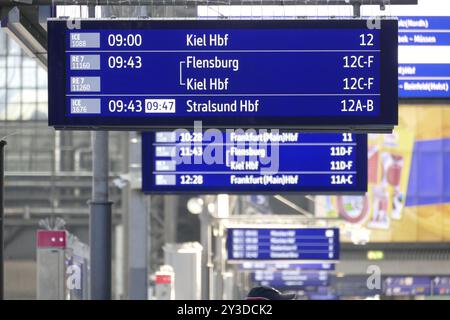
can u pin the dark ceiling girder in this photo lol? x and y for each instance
(24, 24)
(29, 17)
(4, 13)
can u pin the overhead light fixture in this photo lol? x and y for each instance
(375, 255)
(212, 207)
(195, 205)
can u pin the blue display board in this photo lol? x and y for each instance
(416, 286)
(337, 74)
(283, 244)
(424, 57)
(237, 161)
(441, 286)
(289, 278)
(264, 265)
(407, 286)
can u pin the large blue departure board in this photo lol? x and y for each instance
(339, 74)
(424, 57)
(282, 244)
(239, 161)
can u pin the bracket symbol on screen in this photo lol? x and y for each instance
(181, 73)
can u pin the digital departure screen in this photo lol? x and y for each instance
(282, 244)
(407, 286)
(290, 278)
(239, 161)
(339, 74)
(440, 285)
(273, 266)
(424, 57)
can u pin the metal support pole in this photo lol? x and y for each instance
(100, 215)
(219, 261)
(137, 247)
(170, 218)
(136, 205)
(2, 216)
(205, 239)
(125, 141)
(91, 11)
(137, 224)
(100, 220)
(356, 9)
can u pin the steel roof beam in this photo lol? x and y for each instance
(23, 25)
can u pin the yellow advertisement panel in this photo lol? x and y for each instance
(408, 197)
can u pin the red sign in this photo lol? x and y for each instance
(51, 239)
(163, 279)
